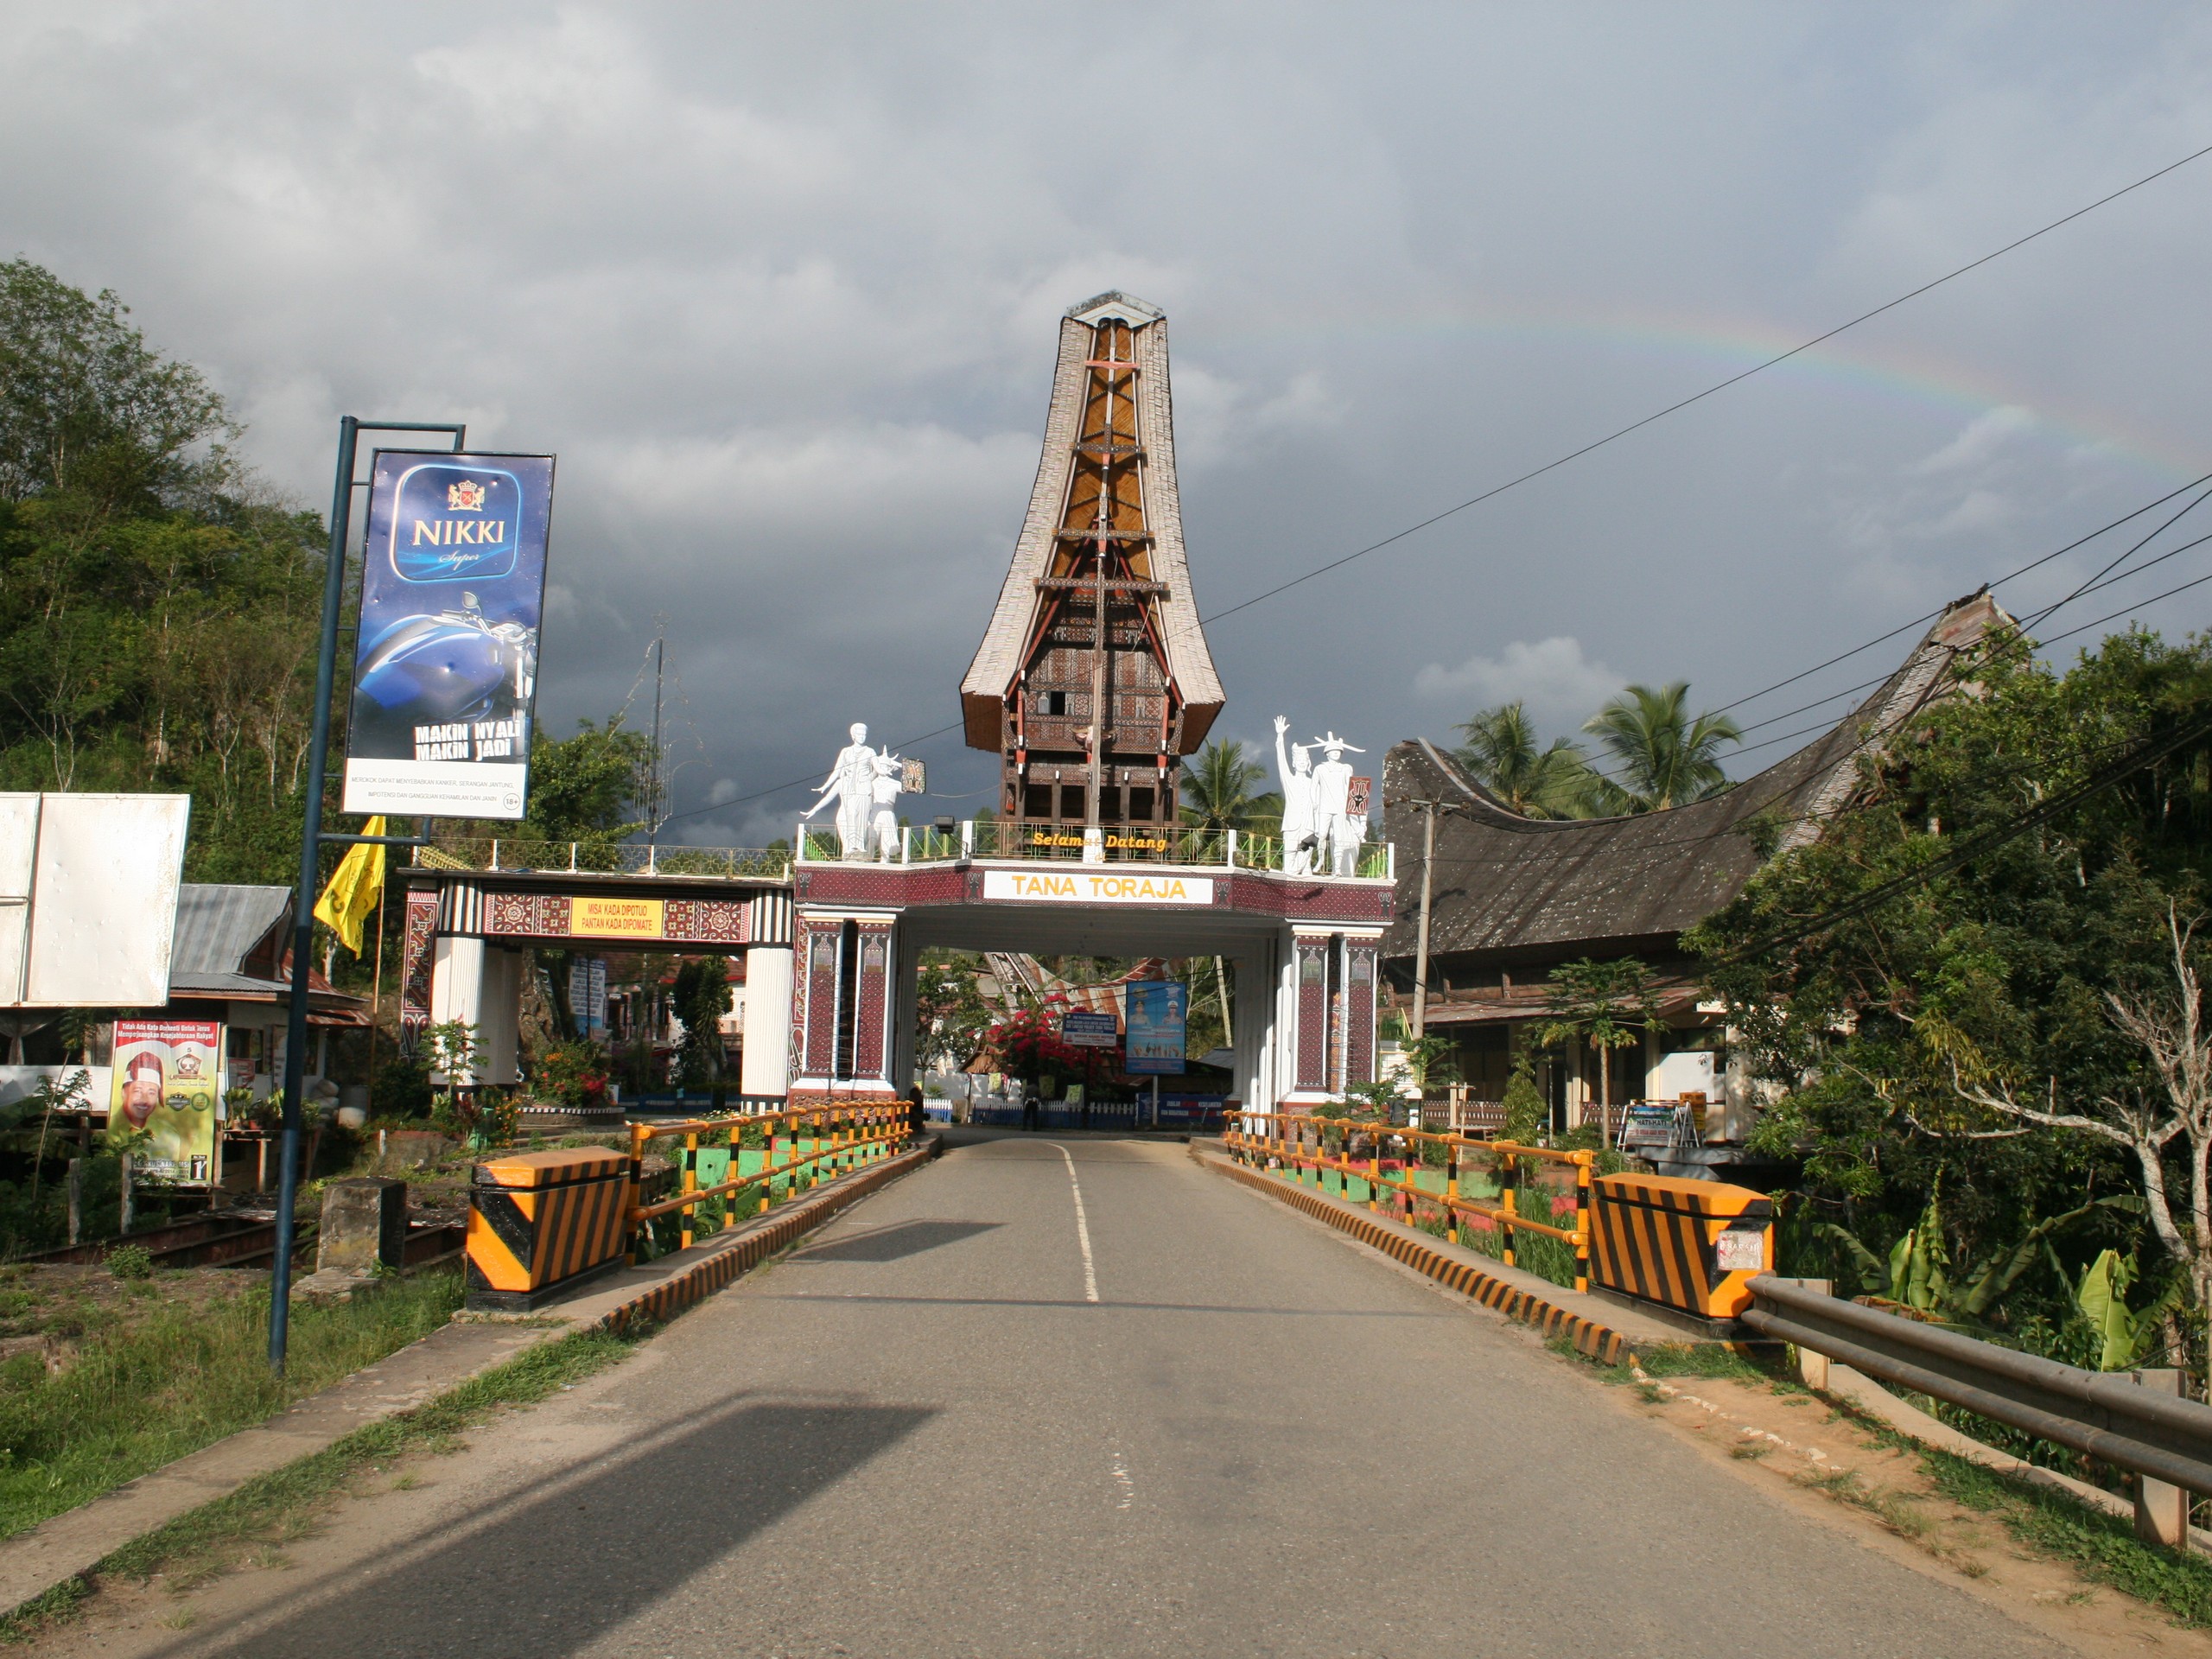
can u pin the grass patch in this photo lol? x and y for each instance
(251, 1524)
(149, 1393)
(1706, 1359)
(2101, 1546)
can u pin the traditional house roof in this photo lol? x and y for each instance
(1508, 889)
(990, 677)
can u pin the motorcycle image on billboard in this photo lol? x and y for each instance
(446, 667)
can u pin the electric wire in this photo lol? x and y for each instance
(1700, 397)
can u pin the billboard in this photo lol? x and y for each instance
(445, 665)
(88, 895)
(1082, 1029)
(166, 1080)
(1157, 1010)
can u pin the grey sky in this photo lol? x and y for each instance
(779, 285)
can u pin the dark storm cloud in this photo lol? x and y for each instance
(779, 286)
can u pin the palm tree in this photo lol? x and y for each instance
(1217, 785)
(1663, 757)
(1501, 754)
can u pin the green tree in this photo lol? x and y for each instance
(952, 1020)
(1502, 754)
(2000, 973)
(1661, 755)
(1219, 785)
(701, 997)
(1604, 1006)
(588, 788)
(87, 408)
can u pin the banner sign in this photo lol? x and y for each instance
(1097, 888)
(617, 918)
(1082, 1029)
(446, 662)
(1157, 1011)
(1357, 793)
(166, 1078)
(588, 995)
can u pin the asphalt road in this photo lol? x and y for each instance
(1197, 1424)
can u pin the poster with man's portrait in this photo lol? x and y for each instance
(167, 1081)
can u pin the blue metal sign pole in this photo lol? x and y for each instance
(295, 1038)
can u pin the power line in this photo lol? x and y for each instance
(1700, 397)
(2014, 575)
(1988, 841)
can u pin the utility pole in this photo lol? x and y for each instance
(652, 788)
(312, 838)
(1420, 941)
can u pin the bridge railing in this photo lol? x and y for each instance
(1355, 1151)
(1126, 843)
(796, 1150)
(522, 855)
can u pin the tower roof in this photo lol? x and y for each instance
(998, 661)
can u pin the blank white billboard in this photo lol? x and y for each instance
(88, 889)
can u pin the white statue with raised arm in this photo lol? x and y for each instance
(1341, 829)
(884, 789)
(851, 783)
(1300, 830)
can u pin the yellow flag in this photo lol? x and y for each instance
(355, 888)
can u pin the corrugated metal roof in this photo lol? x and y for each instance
(1510, 888)
(217, 926)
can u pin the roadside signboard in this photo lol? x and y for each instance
(1081, 1029)
(1158, 1010)
(88, 891)
(167, 1076)
(446, 665)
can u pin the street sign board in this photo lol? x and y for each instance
(88, 886)
(1082, 1029)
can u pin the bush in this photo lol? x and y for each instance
(128, 1262)
(1526, 1113)
(402, 1089)
(574, 1074)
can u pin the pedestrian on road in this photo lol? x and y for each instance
(917, 1116)
(1029, 1110)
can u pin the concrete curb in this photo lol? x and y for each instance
(1448, 1265)
(73, 1544)
(705, 1268)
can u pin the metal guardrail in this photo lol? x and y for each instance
(587, 858)
(820, 1143)
(1301, 1141)
(996, 839)
(2106, 1415)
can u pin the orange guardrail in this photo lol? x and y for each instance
(1300, 1141)
(821, 1143)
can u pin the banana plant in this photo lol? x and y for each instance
(2125, 1336)
(1918, 1273)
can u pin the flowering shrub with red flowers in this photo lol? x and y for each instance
(574, 1074)
(1028, 1043)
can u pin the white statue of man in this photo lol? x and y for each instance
(851, 783)
(884, 789)
(1301, 827)
(1341, 830)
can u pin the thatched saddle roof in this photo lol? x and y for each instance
(1509, 889)
(998, 660)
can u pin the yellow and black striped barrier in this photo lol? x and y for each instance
(1693, 1247)
(542, 1222)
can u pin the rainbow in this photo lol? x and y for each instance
(1725, 347)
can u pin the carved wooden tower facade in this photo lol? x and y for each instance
(1093, 680)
